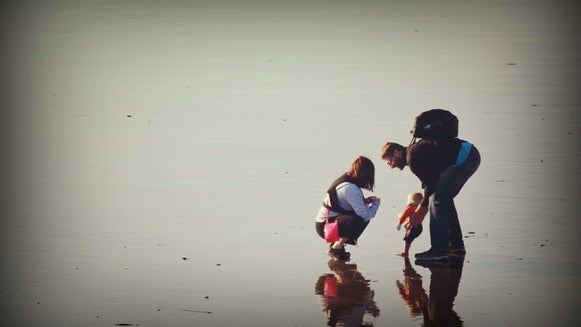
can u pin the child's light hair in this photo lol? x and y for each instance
(415, 197)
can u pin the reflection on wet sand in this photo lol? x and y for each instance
(411, 290)
(346, 295)
(437, 307)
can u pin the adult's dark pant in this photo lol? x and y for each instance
(350, 227)
(444, 224)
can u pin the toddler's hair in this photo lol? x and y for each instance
(415, 197)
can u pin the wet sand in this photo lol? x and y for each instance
(162, 165)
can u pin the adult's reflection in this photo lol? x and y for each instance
(437, 308)
(346, 295)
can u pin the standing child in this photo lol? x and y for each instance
(412, 232)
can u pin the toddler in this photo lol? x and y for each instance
(412, 232)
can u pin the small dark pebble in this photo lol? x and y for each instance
(206, 297)
(184, 258)
(123, 324)
(218, 264)
(129, 116)
(198, 311)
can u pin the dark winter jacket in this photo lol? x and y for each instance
(428, 159)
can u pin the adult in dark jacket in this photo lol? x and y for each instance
(443, 168)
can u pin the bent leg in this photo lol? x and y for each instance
(351, 227)
(444, 222)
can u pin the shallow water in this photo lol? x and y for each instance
(163, 164)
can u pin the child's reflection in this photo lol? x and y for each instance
(346, 295)
(411, 290)
(437, 307)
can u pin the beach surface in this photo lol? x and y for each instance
(162, 163)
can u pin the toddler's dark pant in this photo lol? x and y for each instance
(413, 233)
